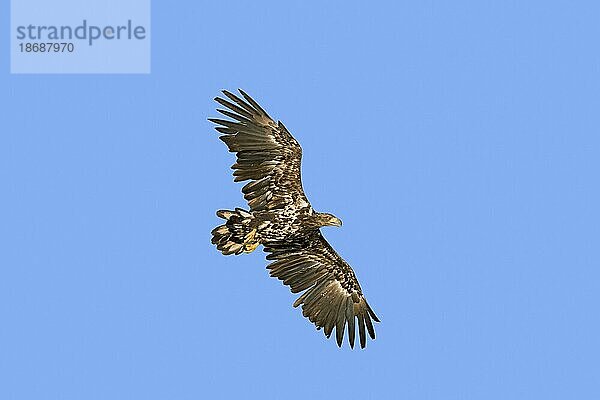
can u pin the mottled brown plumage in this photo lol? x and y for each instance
(283, 221)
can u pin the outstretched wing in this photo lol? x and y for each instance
(332, 297)
(267, 154)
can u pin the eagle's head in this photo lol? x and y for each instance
(326, 219)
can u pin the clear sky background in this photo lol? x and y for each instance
(458, 141)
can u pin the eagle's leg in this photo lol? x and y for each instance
(249, 248)
(249, 244)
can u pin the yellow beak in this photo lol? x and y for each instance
(336, 222)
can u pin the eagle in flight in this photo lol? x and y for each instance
(283, 221)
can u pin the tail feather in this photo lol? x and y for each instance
(236, 235)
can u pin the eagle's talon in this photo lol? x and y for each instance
(250, 247)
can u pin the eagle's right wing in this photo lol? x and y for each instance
(267, 154)
(333, 297)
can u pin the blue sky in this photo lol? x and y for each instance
(458, 142)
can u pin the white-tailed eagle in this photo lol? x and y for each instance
(283, 221)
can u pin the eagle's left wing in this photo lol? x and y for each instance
(333, 297)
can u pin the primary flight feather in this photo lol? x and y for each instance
(283, 221)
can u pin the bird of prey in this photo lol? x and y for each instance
(282, 220)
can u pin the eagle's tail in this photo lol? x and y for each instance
(236, 235)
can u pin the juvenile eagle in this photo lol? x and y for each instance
(283, 221)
